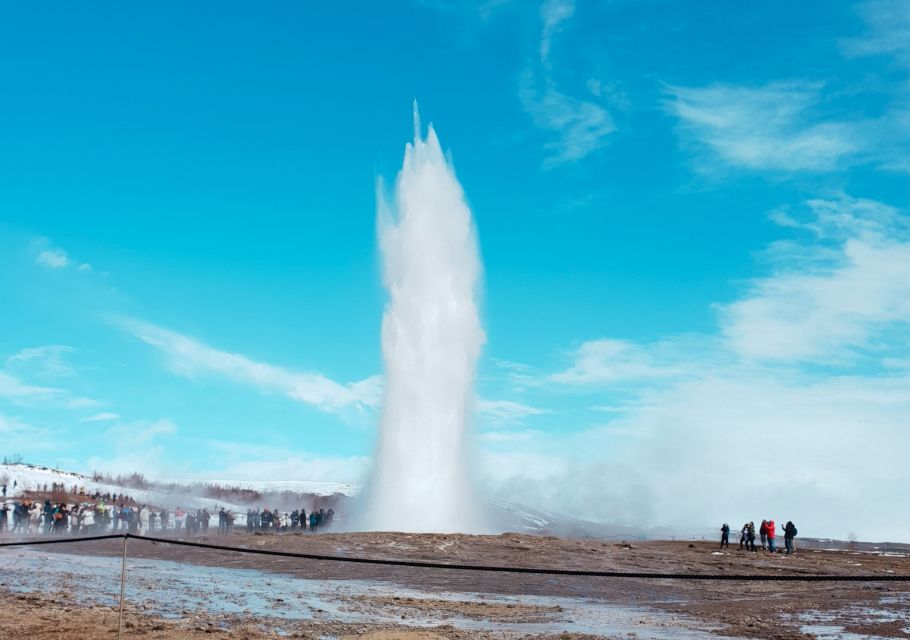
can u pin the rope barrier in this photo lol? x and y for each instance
(29, 543)
(418, 564)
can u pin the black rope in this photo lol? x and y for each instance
(28, 543)
(487, 568)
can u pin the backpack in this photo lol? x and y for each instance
(793, 530)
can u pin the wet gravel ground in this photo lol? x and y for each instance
(182, 586)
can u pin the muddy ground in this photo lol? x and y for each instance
(729, 608)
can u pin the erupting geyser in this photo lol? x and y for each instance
(431, 338)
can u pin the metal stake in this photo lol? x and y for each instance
(122, 582)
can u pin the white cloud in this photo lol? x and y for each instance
(12, 388)
(522, 435)
(247, 461)
(581, 126)
(47, 360)
(835, 301)
(53, 258)
(888, 34)
(135, 447)
(771, 127)
(26, 394)
(608, 360)
(553, 13)
(12, 424)
(189, 357)
(750, 408)
(104, 416)
(506, 410)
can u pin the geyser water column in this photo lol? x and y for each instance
(431, 338)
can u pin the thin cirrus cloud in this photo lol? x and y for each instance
(24, 394)
(507, 410)
(888, 23)
(190, 357)
(48, 360)
(772, 127)
(104, 416)
(578, 126)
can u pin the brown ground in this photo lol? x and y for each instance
(749, 609)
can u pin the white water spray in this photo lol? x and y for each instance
(431, 338)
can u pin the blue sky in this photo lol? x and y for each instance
(693, 220)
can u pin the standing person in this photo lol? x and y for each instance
(303, 519)
(789, 534)
(152, 516)
(763, 531)
(314, 521)
(750, 542)
(771, 535)
(744, 537)
(163, 516)
(3, 511)
(725, 536)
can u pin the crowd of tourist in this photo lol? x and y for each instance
(97, 516)
(767, 533)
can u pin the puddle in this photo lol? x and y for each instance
(173, 589)
(825, 625)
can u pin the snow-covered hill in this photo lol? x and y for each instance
(20, 478)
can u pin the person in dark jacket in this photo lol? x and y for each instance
(725, 536)
(789, 534)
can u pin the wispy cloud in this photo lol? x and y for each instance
(254, 461)
(828, 299)
(553, 13)
(772, 127)
(47, 360)
(189, 357)
(135, 447)
(19, 437)
(609, 360)
(888, 33)
(52, 257)
(509, 436)
(104, 416)
(13, 389)
(580, 125)
(507, 410)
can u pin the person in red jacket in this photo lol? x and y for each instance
(771, 536)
